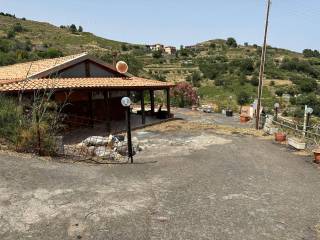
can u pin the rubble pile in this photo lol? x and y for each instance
(103, 149)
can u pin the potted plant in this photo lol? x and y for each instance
(317, 155)
(280, 136)
(244, 118)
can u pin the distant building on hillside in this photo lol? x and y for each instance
(170, 50)
(156, 47)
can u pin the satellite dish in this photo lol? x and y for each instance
(122, 67)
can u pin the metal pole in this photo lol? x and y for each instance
(305, 121)
(130, 152)
(262, 65)
(308, 123)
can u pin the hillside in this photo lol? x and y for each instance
(218, 68)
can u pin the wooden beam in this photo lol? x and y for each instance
(143, 114)
(168, 102)
(87, 66)
(90, 109)
(152, 101)
(107, 110)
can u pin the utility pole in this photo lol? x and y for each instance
(262, 66)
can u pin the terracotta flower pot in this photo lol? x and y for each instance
(280, 137)
(317, 156)
(244, 119)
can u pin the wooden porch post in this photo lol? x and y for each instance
(168, 102)
(106, 97)
(90, 109)
(143, 114)
(152, 101)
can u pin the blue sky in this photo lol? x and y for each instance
(294, 24)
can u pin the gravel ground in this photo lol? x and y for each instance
(184, 185)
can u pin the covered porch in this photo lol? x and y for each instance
(102, 107)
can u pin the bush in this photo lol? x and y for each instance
(308, 53)
(10, 119)
(312, 100)
(300, 66)
(307, 85)
(24, 129)
(18, 28)
(157, 54)
(50, 53)
(73, 28)
(184, 95)
(194, 78)
(254, 80)
(231, 42)
(243, 98)
(247, 66)
(11, 34)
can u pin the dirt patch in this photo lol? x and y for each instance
(317, 229)
(182, 125)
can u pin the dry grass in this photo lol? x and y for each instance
(277, 82)
(185, 126)
(317, 229)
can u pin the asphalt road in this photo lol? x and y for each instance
(184, 186)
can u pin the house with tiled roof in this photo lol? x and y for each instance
(94, 88)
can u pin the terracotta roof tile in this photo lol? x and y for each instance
(24, 70)
(83, 83)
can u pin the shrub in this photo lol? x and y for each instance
(308, 53)
(157, 54)
(300, 66)
(11, 34)
(307, 85)
(243, 98)
(231, 42)
(247, 66)
(254, 80)
(18, 28)
(30, 129)
(184, 95)
(10, 119)
(194, 78)
(73, 28)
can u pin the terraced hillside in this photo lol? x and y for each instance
(217, 68)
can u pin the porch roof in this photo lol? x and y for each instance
(84, 83)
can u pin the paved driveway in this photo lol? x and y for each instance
(185, 185)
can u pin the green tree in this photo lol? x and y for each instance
(157, 54)
(17, 27)
(308, 85)
(243, 98)
(247, 66)
(124, 47)
(255, 80)
(308, 53)
(195, 78)
(73, 28)
(80, 29)
(11, 34)
(231, 42)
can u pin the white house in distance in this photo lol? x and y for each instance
(160, 47)
(156, 47)
(170, 50)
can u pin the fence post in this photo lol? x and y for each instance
(305, 121)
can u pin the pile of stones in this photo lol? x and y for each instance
(112, 148)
